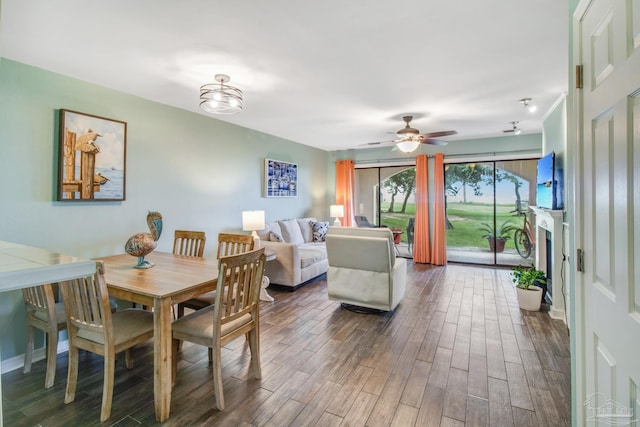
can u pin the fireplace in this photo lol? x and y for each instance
(549, 258)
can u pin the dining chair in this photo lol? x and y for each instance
(42, 312)
(189, 243)
(228, 244)
(93, 327)
(235, 313)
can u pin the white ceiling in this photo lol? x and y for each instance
(331, 74)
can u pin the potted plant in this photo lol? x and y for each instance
(498, 237)
(529, 286)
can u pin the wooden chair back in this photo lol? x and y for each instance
(238, 295)
(39, 299)
(86, 301)
(233, 244)
(189, 243)
(44, 313)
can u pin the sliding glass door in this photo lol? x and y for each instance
(385, 196)
(486, 204)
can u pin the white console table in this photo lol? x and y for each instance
(24, 266)
(551, 221)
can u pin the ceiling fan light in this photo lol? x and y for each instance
(408, 146)
(517, 131)
(527, 104)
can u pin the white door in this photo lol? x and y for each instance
(607, 216)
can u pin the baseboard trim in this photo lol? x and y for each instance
(17, 362)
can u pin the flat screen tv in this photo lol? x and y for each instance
(550, 185)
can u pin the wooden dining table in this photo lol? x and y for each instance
(172, 279)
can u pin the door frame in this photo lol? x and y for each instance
(576, 228)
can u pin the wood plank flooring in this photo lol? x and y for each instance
(457, 352)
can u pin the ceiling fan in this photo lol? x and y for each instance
(408, 138)
(515, 129)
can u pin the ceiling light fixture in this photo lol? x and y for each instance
(528, 105)
(408, 144)
(220, 98)
(515, 129)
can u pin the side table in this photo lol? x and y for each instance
(270, 254)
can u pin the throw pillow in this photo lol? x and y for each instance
(305, 228)
(275, 237)
(291, 231)
(319, 230)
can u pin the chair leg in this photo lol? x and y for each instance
(52, 355)
(180, 310)
(254, 346)
(72, 374)
(178, 314)
(217, 378)
(175, 346)
(28, 352)
(128, 358)
(107, 388)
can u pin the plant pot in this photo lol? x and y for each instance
(496, 245)
(397, 235)
(529, 299)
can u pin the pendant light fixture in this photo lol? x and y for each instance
(220, 98)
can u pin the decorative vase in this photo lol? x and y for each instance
(529, 299)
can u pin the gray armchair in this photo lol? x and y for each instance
(363, 268)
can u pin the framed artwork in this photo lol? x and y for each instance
(92, 158)
(281, 178)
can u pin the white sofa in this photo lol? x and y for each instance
(298, 257)
(363, 268)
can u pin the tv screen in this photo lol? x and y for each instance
(549, 183)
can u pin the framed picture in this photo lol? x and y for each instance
(92, 160)
(281, 178)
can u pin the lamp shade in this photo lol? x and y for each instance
(252, 220)
(336, 211)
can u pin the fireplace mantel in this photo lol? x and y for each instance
(551, 221)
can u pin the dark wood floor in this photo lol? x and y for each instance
(456, 352)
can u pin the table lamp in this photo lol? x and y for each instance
(253, 221)
(338, 212)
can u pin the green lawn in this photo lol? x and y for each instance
(465, 218)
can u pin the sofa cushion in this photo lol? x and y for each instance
(275, 237)
(265, 234)
(311, 253)
(305, 228)
(291, 231)
(319, 230)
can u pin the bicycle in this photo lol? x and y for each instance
(524, 239)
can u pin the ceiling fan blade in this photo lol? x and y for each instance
(432, 141)
(439, 134)
(509, 130)
(370, 144)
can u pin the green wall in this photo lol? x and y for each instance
(199, 172)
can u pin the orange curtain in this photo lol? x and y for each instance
(345, 173)
(439, 242)
(421, 252)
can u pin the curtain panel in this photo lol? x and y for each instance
(345, 176)
(439, 241)
(421, 250)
